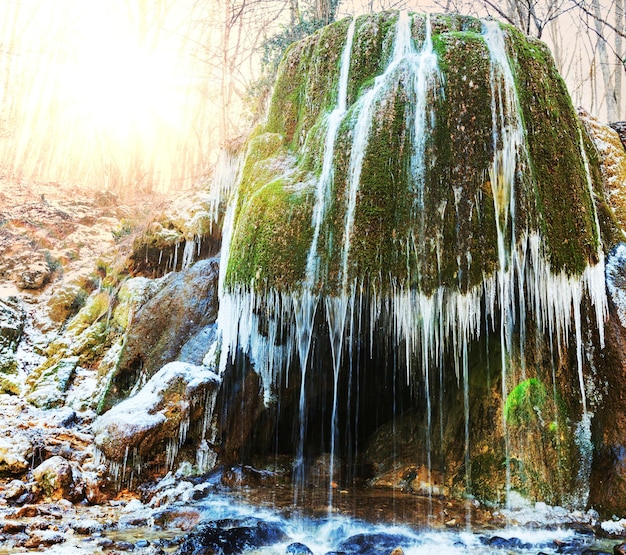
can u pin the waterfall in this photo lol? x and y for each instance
(509, 151)
(430, 331)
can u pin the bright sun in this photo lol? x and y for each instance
(101, 87)
(125, 83)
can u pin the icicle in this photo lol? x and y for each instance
(188, 254)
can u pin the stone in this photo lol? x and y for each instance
(49, 390)
(54, 477)
(620, 548)
(12, 526)
(15, 453)
(86, 526)
(166, 323)
(232, 537)
(374, 544)
(44, 538)
(298, 548)
(182, 518)
(95, 484)
(35, 275)
(14, 489)
(148, 421)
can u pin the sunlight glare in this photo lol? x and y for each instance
(102, 93)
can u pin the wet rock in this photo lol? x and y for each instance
(505, 543)
(619, 549)
(86, 526)
(182, 518)
(44, 538)
(245, 475)
(186, 305)
(55, 478)
(214, 537)
(298, 548)
(151, 418)
(374, 544)
(15, 453)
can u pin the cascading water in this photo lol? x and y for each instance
(435, 308)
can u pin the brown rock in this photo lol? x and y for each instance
(44, 538)
(12, 526)
(55, 478)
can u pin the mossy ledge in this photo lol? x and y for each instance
(450, 240)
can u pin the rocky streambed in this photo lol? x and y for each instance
(57, 497)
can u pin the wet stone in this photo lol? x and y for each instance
(374, 544)
(505, 543)
(44, 538)
(298, 548)
(214, 538)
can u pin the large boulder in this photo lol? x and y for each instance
(184, 307)
(153, 424)
(16, 451)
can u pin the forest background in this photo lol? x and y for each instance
(141, 95)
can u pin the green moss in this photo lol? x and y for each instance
(463, 150)
(373, 44)
(271, 241)
(523, 402)
(96, 307)
(297, 103)
(561, 191)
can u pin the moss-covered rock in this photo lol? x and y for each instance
(165, 316)
(448, 253)
(49, 389)
(449, 236)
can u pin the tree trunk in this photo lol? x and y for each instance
(605, 68)
(620, 23)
